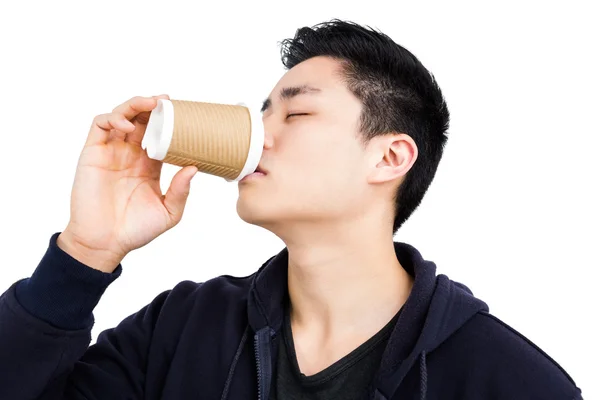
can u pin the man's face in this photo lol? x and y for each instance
(315, 163)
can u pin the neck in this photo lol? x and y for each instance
(344, 280)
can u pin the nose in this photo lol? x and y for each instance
(268, 140)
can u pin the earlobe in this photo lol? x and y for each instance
(396, 154)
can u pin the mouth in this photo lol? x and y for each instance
(260, 170)
(258, 173)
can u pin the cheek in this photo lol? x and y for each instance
(305, 152)
(325, 149)
(322, 164)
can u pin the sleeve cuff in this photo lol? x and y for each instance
(62, 291)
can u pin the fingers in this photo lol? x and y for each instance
(103, 124)
(113, 121)
(140, 121)
(178, 192)
(134, 106)
(119, 121)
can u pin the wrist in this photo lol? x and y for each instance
(103, 260)
(62, 291)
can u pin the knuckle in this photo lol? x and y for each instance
(111, 117)
(100, 118)
(128, 103)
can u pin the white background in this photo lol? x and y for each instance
(512, 213)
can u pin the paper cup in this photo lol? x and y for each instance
(220, 139)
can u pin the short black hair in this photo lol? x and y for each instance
(397, 92)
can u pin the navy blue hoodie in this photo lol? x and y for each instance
(217, 340)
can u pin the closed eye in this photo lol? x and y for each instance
(295, 115)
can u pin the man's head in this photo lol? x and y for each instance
(354, 129)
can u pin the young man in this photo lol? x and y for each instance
(354, 132)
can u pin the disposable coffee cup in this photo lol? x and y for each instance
(224, 140)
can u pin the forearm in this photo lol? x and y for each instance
(45, 323)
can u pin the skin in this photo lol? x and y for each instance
(328, 197)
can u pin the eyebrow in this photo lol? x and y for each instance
(287, 93)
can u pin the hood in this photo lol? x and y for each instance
(435, 309)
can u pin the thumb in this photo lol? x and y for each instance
(177, 194)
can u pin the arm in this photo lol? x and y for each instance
(45, 321)
(45, 326)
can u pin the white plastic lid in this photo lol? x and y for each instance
(257, 139)
(159, 131)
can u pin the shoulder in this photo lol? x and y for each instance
(221, 290)
(217, 305)
(501, 356)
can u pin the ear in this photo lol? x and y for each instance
(393, 156)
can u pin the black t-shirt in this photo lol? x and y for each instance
(346, 379)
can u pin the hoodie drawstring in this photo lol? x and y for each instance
(238, 353)
(422, 356)
(423, 371)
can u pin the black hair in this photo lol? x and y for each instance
(399, 95)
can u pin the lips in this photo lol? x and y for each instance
(258, 173)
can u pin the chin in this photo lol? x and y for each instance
(255, 213)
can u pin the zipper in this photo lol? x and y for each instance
(262, 355)
(258, 369)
